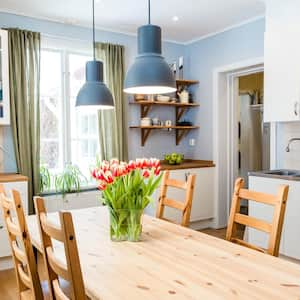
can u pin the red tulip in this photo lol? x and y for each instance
(93, 173)
(138, 162)
(108, 178)
(146, 173)
(115, 171)
(157, 171)
(131, 165)
(114, 161)
(105, 165)
(100, 175)
(102, 186)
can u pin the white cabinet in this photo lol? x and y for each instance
(4, 80)
(282, 61)
(290, 240)
(203, 200)
(22, 187)
(282, 76)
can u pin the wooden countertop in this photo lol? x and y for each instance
(12, 177)
(188, 164)
(171, 262)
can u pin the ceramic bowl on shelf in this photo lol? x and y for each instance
(162, 98)
(146, 121)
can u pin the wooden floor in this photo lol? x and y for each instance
(8, 284)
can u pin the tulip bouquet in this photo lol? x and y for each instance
(126, 190)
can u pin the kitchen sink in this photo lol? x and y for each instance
(283, 172)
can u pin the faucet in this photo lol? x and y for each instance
(287, 149)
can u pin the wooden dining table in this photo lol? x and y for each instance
(171, 262)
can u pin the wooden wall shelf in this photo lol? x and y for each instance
(181, 131)
(180, 109)
(186, 82)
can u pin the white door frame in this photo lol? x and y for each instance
(223, 130)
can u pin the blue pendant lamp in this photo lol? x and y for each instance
(150, 74)
(94, 93)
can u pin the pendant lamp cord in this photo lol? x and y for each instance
(94, 43)
(149, 12)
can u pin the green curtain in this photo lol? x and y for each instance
(24, 75)
(113, 123)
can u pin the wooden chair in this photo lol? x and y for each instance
(186, 206)
(274, 229)
(56, 269)
(22, 252)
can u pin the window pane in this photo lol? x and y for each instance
(51, 109)
(84, 126)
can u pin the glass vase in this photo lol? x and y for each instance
(125, 224)
(134, 225)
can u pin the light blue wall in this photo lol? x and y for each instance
(201, 58)
(157, 144)
(204, 56)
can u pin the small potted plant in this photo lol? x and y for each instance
(45, 179)
(126, 190)
(69, 180)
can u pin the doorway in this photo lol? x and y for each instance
(253, 135)
(226, 133)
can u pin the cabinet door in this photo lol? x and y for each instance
(4, 80)
(21, 187)
(282, 76)
(291, 240)
(203, 200)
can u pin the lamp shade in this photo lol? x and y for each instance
(149, 74)
(94, 93)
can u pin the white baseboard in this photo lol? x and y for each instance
(203, 224)
(6, 263)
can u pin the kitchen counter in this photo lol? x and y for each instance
(12, 177)
(188, 164)
(284, 174)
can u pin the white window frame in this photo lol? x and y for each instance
(66, 48)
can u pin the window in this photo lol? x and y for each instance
(68, 135)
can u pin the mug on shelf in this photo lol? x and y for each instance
(168, 123)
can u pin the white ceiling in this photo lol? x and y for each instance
(197, 18)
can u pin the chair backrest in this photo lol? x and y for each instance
(185, 206)
(69, 270)
(274, 229)
(19, 239)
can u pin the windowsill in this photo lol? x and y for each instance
(82, 190)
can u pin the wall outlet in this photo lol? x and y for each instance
(192, 142)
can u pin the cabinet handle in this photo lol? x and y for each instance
(187, 176)
(296, 108)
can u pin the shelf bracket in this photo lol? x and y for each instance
(145, 135)
(180, 133)
(144, 110)
(179, 113)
